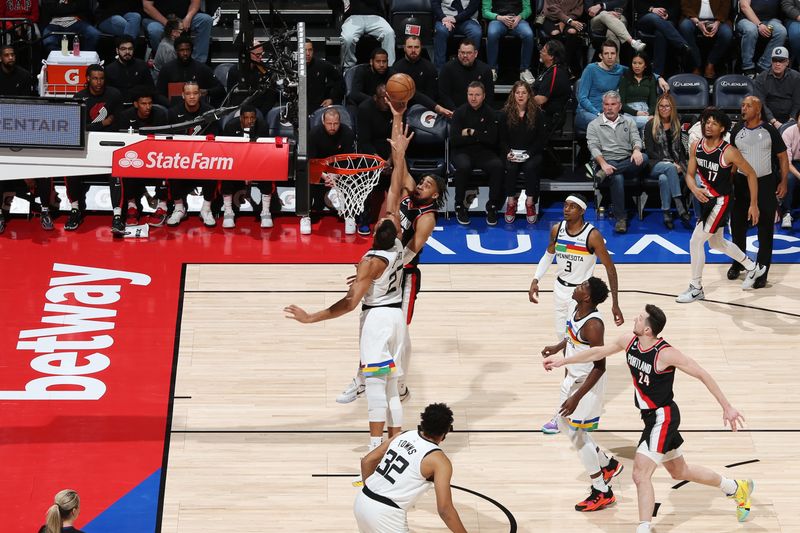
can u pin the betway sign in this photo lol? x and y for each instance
(203, 159)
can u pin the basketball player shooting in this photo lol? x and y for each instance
(652, 362)
(419, 203)
(383, 330)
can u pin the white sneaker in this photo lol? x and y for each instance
(334, 201)
(786, 221)
(527, 77)
(228, 219)
(690, 295)
(353, 391)
(266, 220)
(349, 226)
(404, 393)
(305, 226)
(177, 216)
(638, 45)
(208, 218)
(752, 275)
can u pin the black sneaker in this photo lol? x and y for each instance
(75, 219)
(491, 215)
(760, 282)
(47, 221)
(734, 271)
(405, 394)
(462, 216)
(118, 226)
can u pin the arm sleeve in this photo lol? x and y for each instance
(652, 98)
(790, 9)
(457, 124)
(583, 92)
(593, 140)
(650, 143)
(624, 85)
(544, 264)
(526, 10)
(486, 10)
(436, 7)
(778, 145)
(469, 11)
(554, 11)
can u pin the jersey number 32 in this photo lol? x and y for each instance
(392, 463)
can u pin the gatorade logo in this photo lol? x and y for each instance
(72, 76)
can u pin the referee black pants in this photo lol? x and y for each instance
(767, 205)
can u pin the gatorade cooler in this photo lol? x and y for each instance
(65, 75)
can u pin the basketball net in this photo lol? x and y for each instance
(352, 177)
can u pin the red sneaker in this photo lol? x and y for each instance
(530, 213)
(133, 217)
(157, 218)
(613, 469)
(511, 210)
(596, 501)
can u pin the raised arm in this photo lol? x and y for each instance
(598, 244)
(673, 357)
(369, 269)
(406, 182)
(586, 356)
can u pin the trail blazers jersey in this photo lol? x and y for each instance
(652, 389)
(409, 213)
(714, 171)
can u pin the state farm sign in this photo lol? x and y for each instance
(203, 159)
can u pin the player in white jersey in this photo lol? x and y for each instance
(401, 470)
(576, 246)
(378, 283)
(582, 392)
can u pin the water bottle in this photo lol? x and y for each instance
(76, 46)
(236, 23)
(64, 46)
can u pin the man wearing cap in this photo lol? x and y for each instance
(779, 89)
(576, 246)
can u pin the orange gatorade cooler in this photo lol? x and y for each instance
(65, 75)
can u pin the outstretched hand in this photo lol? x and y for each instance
(296, 313)
(398, 108)
(733, 418)
(400, 141)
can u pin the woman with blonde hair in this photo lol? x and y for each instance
(667, 156)
(523, 136)
(62, 514)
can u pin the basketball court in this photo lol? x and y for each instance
(219, 414)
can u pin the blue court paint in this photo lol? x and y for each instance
(135, 512)
(647, 241)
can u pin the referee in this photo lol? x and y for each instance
(760, 144)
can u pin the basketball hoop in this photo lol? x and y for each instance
(352, 177)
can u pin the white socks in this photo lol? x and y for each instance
(728, 486)
(644, 527)
(599, 484)
(374, 442)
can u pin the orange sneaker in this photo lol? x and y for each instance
(596, 501)
(613, 469)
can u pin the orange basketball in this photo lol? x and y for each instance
(400, 88)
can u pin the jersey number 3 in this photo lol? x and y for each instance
(392, 462)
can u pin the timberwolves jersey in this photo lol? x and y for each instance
(409, 213)
(574, 259)
(652, 389)
(576, 343)
(714, 173)
(386, 289)
(398, 476)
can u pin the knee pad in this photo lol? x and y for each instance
(377, 402)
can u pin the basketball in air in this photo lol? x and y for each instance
(400, 88)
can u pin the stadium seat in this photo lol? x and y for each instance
(277, 127)
(412, 17)
(344, 116)
(690, 92)
(729, 90)
(428, 151)
(221, 72)
(230, 116)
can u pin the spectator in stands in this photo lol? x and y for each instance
(552, 88)
(523, 136)
(14, 80)
(61, 516)
(374, 131)
(366, 80)
(707, 19)
(129, 191)
(365, 17)
(608, 17)
(791, 9)
(759, 19)
(668, 158)
(184, 68)
(638, 90)
(245, 125)
(68, 16)
(660, 18)
(423, 73)
(616, 147)
(23, 9)
(760, 145)
(324, 86)
(473, 139)
(166, 47)
(127, 71)
(119, 17)
(242, 85)
(509, 16)
(102, 105)
(324, 140)
(779, 89)
(454, 16)
(563, 19)
(791, 138)
(199, 23)
(190, 108)
(458, 73)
